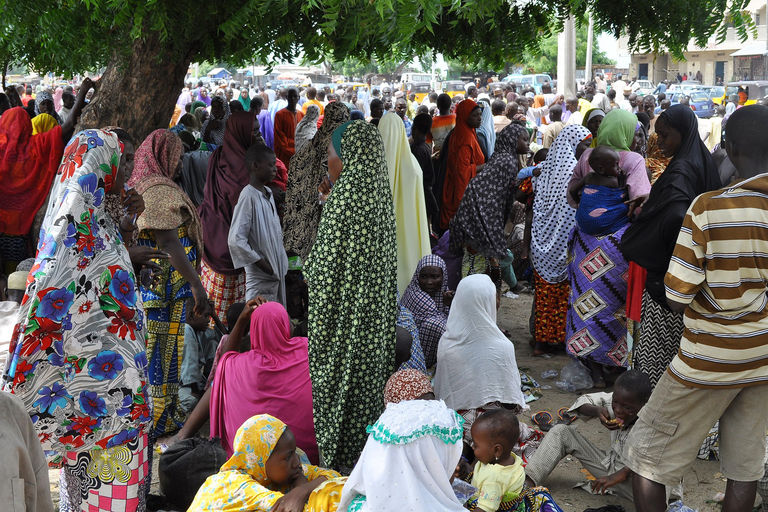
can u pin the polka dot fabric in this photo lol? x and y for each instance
(553, 217)
(352, 277)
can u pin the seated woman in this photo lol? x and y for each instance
(271, 378)
(476, 365)
(264, 474)
(407, 463)
(428, 299)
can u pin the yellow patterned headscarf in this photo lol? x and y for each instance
(42, 123)
(254, 442)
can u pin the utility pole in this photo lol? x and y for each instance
(590, 42)
(566, 59)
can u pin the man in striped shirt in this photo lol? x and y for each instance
(718, 277)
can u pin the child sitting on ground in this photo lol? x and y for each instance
(601, 195)
(499, 473)
(200, 344)
(617, 411)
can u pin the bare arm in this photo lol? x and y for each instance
(241, 326)
(68, 128)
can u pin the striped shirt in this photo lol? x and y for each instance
(720, 269)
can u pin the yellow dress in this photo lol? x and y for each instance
(242, 482)
(406, 182)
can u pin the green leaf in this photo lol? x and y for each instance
(107, 303)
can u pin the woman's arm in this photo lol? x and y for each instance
(68, 128)
(241, 326)
(168, 241)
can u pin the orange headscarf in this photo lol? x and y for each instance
(27, 166)
(463, 134)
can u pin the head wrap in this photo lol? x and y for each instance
(406, 385)
(617, 130)
(42, 123)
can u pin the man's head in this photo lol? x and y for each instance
(648, 105)
(746, 141)
(401, 107)
(512, 109)
(444, 104)
(311, 93)
(472, 91)
(661, 96)
(734, 98)
(377, 108)
(665, 104)
(433, 97)
(412, 96)
(572, 104)
(218, 111)
(633, 100)
(685, 100)
(45, 106)
(422, 124)
(555, 113)
(256, 104)
(260, 160)
(546, 88)
(497, 107)
(611, 95)
(292, 96)
(630, 393)
(604, 161)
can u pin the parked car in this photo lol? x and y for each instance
(643, 87)
(700, 101)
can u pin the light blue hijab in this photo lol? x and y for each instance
(486, 134)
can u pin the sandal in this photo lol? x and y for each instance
(543, 420)
(566, 418)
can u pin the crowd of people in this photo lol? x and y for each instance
(317, 274)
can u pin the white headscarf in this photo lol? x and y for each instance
(407, 184)
(307, 127)
(553, 217)
(408, 460)
(475, 362)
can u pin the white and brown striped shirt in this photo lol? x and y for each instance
(720, 269)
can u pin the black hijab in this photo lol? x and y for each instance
(650, 239)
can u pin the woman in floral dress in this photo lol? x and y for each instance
(78, 361)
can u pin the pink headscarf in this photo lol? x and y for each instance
(271, 378)
(57, 103)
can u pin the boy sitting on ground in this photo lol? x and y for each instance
(499, 474)
(617, 411)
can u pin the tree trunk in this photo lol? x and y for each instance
(138, 93)
(5, 72)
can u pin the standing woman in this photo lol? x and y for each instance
(27, 166)
(649, 241)
(352, 312)
(169, 223)
(227, 176)
(307, 169)
(487, 204)
(553, 220)
(464, 159)
(406, 184)
(78, 362)
(214, 127)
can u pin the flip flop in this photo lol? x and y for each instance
(543, 420)
(566, 418)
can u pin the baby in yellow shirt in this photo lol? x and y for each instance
(499, 474)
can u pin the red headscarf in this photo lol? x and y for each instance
(27, 166)
(458, 172)
(271, 378)
(156, 160)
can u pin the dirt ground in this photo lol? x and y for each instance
(702, 482)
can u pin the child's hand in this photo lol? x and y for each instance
(602, 484)
(605, 419)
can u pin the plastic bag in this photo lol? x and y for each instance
(574, 377)
(549, 374)
(679, 506)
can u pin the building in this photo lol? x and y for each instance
(718, 63)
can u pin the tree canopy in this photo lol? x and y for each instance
(75, 35)
(146, 46)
